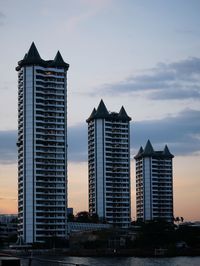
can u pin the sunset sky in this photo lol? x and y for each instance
(144, 55)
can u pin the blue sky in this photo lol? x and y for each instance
(144, 55)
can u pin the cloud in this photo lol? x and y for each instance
(90, 8)
(4, 88)
(2, 17)
(8, 198)
(77, 143)
(181, 133)
(74, 21)
(177, 80)
(189, 32)
(8, 149)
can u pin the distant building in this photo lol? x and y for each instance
(109, 165)
(42, 147)
(8, 226)
(70, 211)
(82, 227)
(7, 218)
(154, 184)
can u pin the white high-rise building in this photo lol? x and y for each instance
(42, 147)
(109, 165)
(154, 184)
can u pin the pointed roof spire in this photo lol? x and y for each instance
(33, 58)
(148, 150)
(123, 115)
(102, 111)
(33, 53)
(140, 152)
(58, 61)
(58, 58)
(25, 56)
(92, 115)
(167, 153)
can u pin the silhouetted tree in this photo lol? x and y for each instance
(155, 233)
(177, 219)
(94, 218)
(83, 217)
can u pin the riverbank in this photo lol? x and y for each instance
(111, 261)
(106, 252)
(134, 252)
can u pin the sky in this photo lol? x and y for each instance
(144, 55)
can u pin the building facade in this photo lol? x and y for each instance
(74, 227)
(42, 147)
(109, 165)
(154, 184)
(7, 218)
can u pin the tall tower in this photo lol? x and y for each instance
(154, 184)
(109, 165)
(42, 147)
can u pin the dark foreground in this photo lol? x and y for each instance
(116, 261)
(107, 257)
(104, 252)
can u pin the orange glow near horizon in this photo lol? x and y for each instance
(78, 186)
(186, 187)
(8, 189)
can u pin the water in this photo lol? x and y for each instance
(119, 261)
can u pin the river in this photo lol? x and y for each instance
(118, 261)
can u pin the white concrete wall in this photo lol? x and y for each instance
(147, 188)
(29, 154)
(99, 168)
